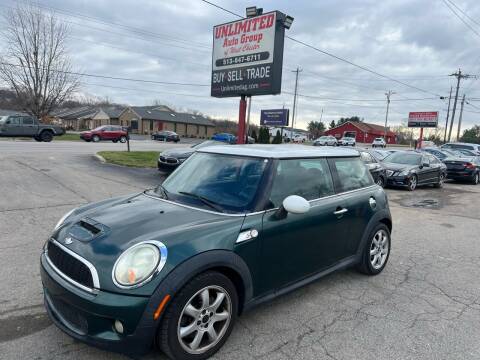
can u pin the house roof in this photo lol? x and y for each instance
(86, 112)
(366, 127)
(154, 113)
(5, 112)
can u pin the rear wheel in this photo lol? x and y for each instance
(380, 181)
(200, 319)
(476, 179)
(376, 251)
(95, 138)
(46, 136)
(412, 182)
(115, 141)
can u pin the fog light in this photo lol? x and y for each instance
(118, 326)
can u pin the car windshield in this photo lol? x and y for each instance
(452, 153)
(2, 119)
(379, 154)
(99, 128)
(207, 143)
(222, 183)
(378, 139)
(404, 158)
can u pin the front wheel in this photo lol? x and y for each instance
(376, 251)
(37, 138)
(46, 136)
(380, 181)
(200, 319)
(123, 139)
(412, 183)
(95, 138)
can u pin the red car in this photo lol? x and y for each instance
(106, 132)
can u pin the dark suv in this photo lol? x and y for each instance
(233, 227)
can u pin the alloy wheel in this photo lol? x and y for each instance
(380, 181)
(204, 319)
(379, 249)
(412, 183)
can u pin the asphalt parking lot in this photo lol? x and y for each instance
(425, 305)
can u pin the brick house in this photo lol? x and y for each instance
(149, 119)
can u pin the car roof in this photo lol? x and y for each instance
(284, 151)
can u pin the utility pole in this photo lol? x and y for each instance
(459, 76)
(448, 113)
(460, 117)
(295, 96)
(388, 94)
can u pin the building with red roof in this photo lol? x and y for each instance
(362, 132)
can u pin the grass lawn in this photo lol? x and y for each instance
(145, 159)
(68, 137)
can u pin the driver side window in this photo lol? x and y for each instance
(308, 178)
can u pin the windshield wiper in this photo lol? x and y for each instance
(203, 199)
(162, 190)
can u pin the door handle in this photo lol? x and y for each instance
(340, 211)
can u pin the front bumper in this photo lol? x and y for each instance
(167, 166)
(89, 318)
(398, 180)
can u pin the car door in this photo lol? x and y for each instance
(295, 246)
(428, 173)
(435, 167)
(29, 126)
(13, 126)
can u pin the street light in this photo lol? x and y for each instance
(253, 11)
(288, 22)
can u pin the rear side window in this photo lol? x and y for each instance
(352, 174)
(367, 158)
(309, 178)
(27, 120)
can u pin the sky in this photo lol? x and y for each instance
(418, 42)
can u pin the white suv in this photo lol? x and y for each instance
(379, 142)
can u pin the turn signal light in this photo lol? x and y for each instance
(469, 165)
(160, 307)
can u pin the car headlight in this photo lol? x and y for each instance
(404, 173)
(138, 264)
(62, 219)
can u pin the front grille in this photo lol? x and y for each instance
(168, 160)
(69, 316)
(70, 266)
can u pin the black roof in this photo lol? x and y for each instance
(154, 113)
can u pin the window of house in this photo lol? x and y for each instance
(309, 178)
(352, 174)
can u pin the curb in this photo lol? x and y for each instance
(100, 158)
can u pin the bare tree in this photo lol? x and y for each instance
(35, 63)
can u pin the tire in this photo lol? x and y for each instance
(376, 252)
(95, 138)
(380, 181)
(115, 141)
(412, 183)
(476, 179)
(176, 315)
(123, 139)
(441, 180)
(37, 138)
(46, 136)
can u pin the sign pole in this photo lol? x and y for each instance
(421, 138)
(242, 111)
(248, 119)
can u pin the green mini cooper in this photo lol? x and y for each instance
(232, 227)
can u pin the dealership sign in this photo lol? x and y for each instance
(248, 55)
(277, 117)
(427, 119)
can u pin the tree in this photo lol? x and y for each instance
(35, 63)
(332, 124)
(263, 136)
(278, 138)
(352, 119)
(254, 135)
(316, 128)
(471, 135)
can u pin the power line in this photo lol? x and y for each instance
(147, 91)
(312, 47)
(112, 77)
(115, 24)
(461, 19)
(464, 13)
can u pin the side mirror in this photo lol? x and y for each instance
(296, 204)
(7, 122)
(425, 164)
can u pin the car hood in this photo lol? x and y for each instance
(179, 152)
(126, 221)
(398, 167)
